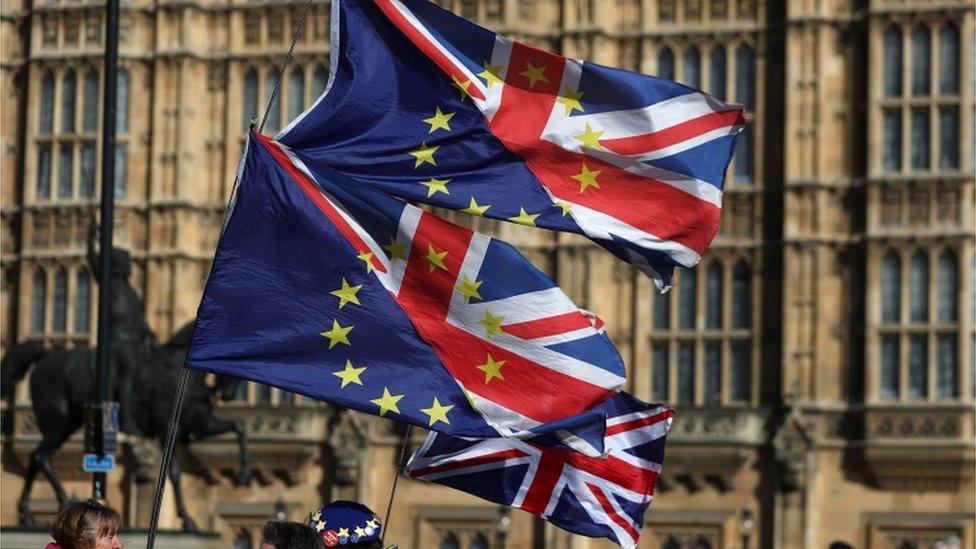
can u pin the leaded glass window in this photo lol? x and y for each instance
(662, 311)
(918, 350)
(60, 320)
(947, 303)
(250, 98)
(949, 137)
(691, 68)
(740, 371)
(745, 77)
(65, 171)
(68, 88)
(273, 122)
(45, 124)
(947, 359)
(43, 189)
(665, 64)
(659, 372)
(296, 93)
(741, 296)
(919, 288)
(713, 373)
(687, 300)
(320, 79)
(121, 165)
(891, 140)
(920, 138)
(713, 296)
(717, 68)
(82, 301)
(949, 59)
(686, 373)
(86, 188)
(890, 367)
(89, 114)
(890, 288)
(921, 61)
(122, 100)
(38, 301)
(893, 62)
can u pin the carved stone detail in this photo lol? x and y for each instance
(793, 444)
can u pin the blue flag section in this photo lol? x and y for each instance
(430, 107)
(328, 289)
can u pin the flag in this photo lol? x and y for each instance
(593, 496)
(433, 108)
(332, 290)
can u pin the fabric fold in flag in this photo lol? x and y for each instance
(593, 496)
(335, 291)
(430, 107)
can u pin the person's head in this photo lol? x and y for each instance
(87, 525)
(287, 535)
(347, 524)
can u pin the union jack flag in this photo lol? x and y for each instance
(593, 496)
(433, 108)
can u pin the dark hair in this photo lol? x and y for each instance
(288, 535)
(80, 525)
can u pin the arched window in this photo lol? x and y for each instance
(662, 311)
(250, 97)
(740, 372)
(87, 184)
(892, 62)
(890, 367)
(947, 303)
(60, 302)
(90, 106)
(38, 301)
(918, 363)
(949, 59)
(43, 189)
(65, 171)
(479, 542)
(82, 301)
(68, 87)
(946, 383)
(320, 79)
(741, 296)
(921, 61)
(691, 68)
(920, 138)
(296, 93)
(665, 64)
(717, 68)
(449, 541)
(273, 122)
(711, 386)
(713, 296)
(745, 77)
(890, 288)
(891, 145)
(687, 300)
(122, 101)
(45, 124)
(919, 288)
(659, 372)
(243, 538)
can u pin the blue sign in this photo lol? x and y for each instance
(94, 463)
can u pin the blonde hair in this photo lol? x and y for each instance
(80, 525)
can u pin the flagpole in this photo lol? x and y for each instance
(397, 469)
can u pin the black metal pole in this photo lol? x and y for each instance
(104, 353)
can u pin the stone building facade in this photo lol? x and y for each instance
(821, 358)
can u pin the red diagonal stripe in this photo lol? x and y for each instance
(615, 470)
(684, 131)
(638, 423)
(543, 327)
(612, 513)
(470, 462)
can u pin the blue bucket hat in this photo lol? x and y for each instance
(345, 522)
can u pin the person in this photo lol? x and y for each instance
(347, 524)
(86, 525)
(287, 535)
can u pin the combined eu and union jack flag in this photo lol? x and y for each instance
(597, 497)
(326, 288)
(432, 108)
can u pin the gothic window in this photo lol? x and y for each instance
(60, 319)
(276, 26)
(686, 373)
(86, 187)
(740, 372)
(686, 300)
(273, 122)
(892, 62)
(745, 77)
(252, 28)
(479, 542)
(918, 282)
(713, 373)
(741, 296)
(717, 68)
(713, 296)
(949, 137)
(68, 102)
(320, 79)
(920, 138)
(262, 394)
(921, 61)
(122, 101)
(691, 68)
(46, 123)
(947, 272)
(250, 97)
(89, 113)
(243, 538)
(665, 64)
(890, 367)
(949, 60)
(659, 372)
(890, 288)
(918, 351)
(945, 375)
(121, 164)
(82, 302)
(662, 311)
(38, 301)
(43, 189)
(742, 165)
(892, 140)
(296, 93)
(449, 541)
(65, 169)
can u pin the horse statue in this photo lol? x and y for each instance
(144, 378)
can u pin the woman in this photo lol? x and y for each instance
(86, 525)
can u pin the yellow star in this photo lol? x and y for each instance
(343, 532)
(492, 369)
(424, 154)
(319, 526)
(491, 74)
(570, 100)
(359, 531)
(387, 402)
(337, 334)
(524, 218)
(469, 288)
(437, 412)
(476, 209)
(373, 523)
(435, 185)
(492, 324)
(587, 178)
(566, 208)
(349, 375)
(367, 258)
(462, 87)
(589, 139)
(439, 121)
(435, 258)
(347, 294)
(396, 250)
(534, 74)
